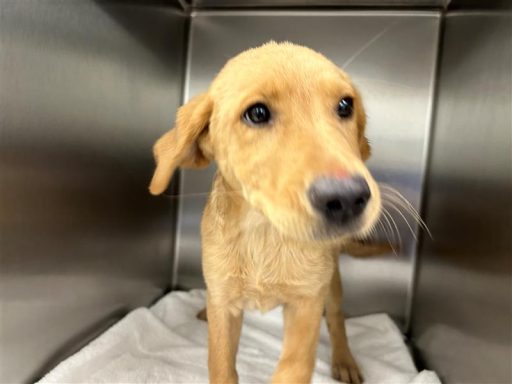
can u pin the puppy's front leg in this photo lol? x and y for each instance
(224, 326)
(344, 367)
(301, 327)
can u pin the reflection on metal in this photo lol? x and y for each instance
(391, 58)
(86, 89)
(318, 3)
(347, 4)
(463, 308)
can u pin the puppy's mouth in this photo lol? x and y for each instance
(329, 231)
(331, 209)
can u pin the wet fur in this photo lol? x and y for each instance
(262, 243)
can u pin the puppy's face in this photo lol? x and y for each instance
(286, 128)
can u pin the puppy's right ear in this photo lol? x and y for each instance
(185, 145)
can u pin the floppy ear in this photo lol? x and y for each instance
(186, 145)
(364, 145)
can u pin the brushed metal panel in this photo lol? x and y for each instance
(86, 88)
(409, 4)
(391, 56)
(463, 311)
(317, 3)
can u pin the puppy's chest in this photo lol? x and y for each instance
(271, 271)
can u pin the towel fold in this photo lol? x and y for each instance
(167, 344)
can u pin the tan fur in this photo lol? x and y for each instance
(263, 244)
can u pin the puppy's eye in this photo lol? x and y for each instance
(257, 114)
(345, 107)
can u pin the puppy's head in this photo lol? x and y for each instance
(286, 127)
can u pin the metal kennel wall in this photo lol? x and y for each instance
(87, 86)
(391, 57)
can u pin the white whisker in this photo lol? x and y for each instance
(202, 194)
(403, 217)
(385, 216)
(387, 237)
(393, 195)
(399, 237)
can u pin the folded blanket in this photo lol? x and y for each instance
(167, 344)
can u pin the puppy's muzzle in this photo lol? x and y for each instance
(340, 200)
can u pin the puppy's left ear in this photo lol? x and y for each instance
(364, 145)
(186, 145)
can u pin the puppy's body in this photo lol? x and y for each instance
(261, 267)
(286, 128)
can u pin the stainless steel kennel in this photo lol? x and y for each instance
(87, 86)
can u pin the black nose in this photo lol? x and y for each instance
(339, 200)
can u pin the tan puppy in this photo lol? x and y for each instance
(286, 128)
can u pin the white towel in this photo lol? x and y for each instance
(167, 344)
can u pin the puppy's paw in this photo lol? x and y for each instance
(346, 371)
(201, 315)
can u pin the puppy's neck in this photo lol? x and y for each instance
(230, 202)
(222, 190)
(234, 213)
